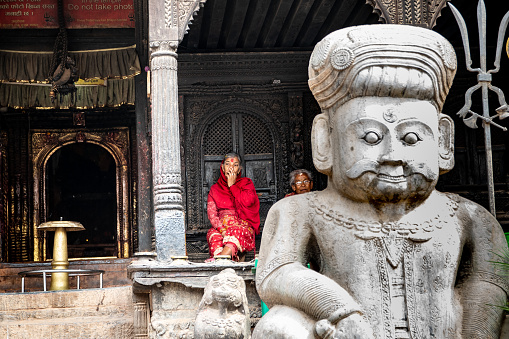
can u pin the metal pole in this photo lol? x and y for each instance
(44, 280)
(481, 24)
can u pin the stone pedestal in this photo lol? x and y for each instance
(176, 291)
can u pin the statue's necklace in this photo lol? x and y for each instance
(419, 232)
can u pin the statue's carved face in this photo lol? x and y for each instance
(225, 288)
(385, 149)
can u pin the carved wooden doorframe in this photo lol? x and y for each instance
(44, 143)
(266, 112)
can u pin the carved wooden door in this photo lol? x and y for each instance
(247, 135)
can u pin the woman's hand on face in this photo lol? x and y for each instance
(232, 177)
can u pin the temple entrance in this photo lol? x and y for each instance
(81, 186)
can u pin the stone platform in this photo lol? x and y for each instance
(91, 313)
(174, 293)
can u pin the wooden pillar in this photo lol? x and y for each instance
(144, 160)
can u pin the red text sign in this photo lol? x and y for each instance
(77, 13)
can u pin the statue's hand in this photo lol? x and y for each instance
(351, 327)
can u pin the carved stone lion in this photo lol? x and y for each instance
(223, 311)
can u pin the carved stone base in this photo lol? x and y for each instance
(176, 292)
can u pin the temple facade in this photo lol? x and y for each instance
(130, 143)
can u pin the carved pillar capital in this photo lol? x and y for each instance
(173, 22)
(409, 12)
(163, 48)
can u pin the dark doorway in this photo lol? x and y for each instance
(81, 186)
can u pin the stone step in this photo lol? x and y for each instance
(52, 313)
(69, 328)
(91, 313)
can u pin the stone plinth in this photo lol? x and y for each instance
(176, 292)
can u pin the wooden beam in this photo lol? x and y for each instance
(276, 19)
(362, 15)
(192, 38)
(218, 8)
(314, 22)
(234, 24)
(254, 21)
(338, 16)
(294, 23)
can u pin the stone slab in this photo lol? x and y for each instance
(91, 313)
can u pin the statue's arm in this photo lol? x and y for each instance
(482, 284)
(282, 277)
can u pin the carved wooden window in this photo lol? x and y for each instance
(249, 136)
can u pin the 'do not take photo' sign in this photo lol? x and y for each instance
(78, 14)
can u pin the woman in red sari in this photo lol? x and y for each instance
(233, 211)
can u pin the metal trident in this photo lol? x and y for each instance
(484, 82)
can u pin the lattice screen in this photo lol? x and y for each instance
(218, 138)
(257, 138)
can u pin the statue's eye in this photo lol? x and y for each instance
(411, 138)
(372, 138)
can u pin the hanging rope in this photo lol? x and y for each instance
(63, 71)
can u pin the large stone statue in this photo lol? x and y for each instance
(395, 257)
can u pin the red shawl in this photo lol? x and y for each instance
(241, 196)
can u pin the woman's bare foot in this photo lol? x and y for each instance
(226, 251)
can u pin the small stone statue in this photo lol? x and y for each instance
(394, 257)
(223, 310)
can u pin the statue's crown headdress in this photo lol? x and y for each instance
(381, 60)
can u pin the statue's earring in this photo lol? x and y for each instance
(445, 143)
(321, 145)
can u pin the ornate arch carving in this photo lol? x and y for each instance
(45, 143)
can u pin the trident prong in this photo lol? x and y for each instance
(484, 82)
(483, 76)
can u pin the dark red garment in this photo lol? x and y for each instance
(241, 197)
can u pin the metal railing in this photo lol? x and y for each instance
(72, 273)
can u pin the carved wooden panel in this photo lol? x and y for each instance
(3, 195)
(18, 232)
